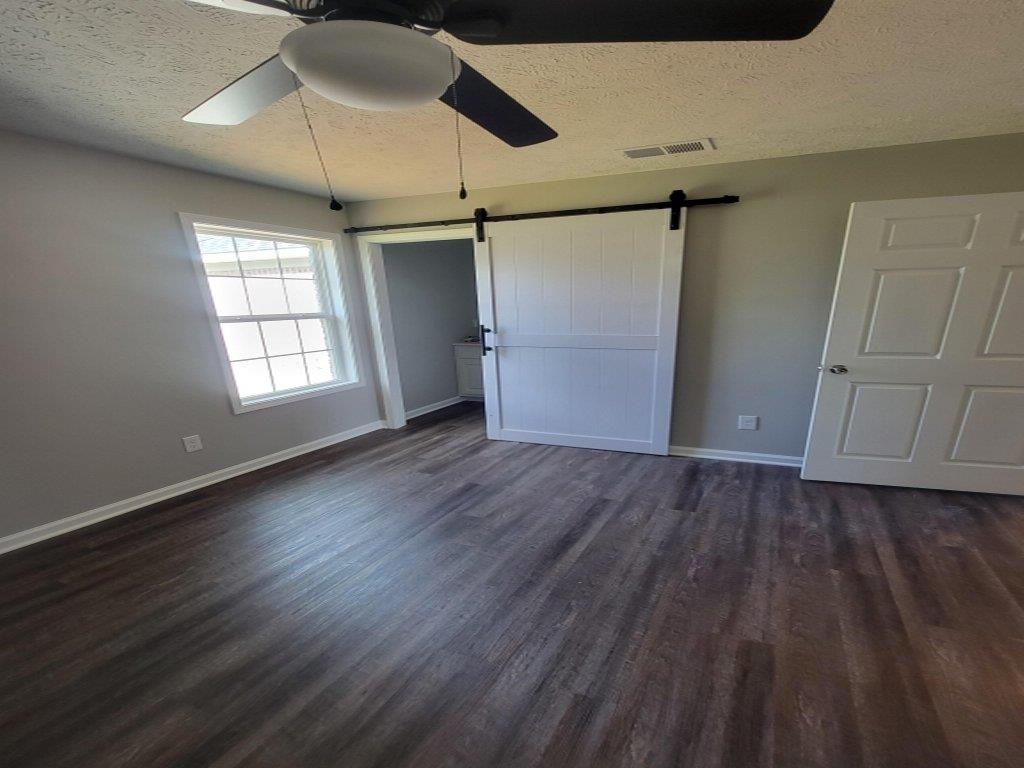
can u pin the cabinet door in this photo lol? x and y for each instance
(471, 376)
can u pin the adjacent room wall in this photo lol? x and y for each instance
(432, 292)
(759, 275)
(108, 358)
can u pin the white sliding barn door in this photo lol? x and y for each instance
(923, 369)
(584, 311)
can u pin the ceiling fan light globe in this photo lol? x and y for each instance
(369, 64)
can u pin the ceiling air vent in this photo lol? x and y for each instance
(673, 148)
(639, 152)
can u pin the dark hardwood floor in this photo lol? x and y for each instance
(427, 598)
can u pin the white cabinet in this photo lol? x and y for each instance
(469, 370)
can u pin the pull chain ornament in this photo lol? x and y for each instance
(334, 204)
(458, 129)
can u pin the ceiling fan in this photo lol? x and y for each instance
(380, 54)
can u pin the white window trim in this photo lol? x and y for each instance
(340, 279)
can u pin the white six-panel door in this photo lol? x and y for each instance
(928, 323)
(584, 312)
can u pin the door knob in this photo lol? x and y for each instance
(840, 369)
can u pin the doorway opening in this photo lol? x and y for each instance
(422, 301)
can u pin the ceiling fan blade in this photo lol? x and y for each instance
(253, 92)
(262, 7)
(506, 22)
(495, 111)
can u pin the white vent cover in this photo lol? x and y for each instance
(672, 148)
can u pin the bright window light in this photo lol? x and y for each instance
(279, 307)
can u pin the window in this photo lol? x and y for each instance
(278, 304)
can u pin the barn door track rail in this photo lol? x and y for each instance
(677, 200)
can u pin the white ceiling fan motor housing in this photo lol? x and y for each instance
(369, 64)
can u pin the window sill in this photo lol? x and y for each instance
(256, 404)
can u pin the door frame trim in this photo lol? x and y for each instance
(378, 308)
(828, 333)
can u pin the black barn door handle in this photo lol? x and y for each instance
(484, 349)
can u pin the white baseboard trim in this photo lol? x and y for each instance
(424, 410)
(743, 456)
(83, 519)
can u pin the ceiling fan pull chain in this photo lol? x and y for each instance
(458, 128)
(334, 205)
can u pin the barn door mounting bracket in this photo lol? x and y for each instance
(676, 199)
(479, 218)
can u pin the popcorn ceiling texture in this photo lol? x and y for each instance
(118, 74)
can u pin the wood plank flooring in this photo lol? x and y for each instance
(427, 598)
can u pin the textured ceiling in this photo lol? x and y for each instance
(118, 74)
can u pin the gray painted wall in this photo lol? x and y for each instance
(432, 291)
(759, 275)
(107, 357)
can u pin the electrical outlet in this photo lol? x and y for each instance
(192, 443)
(748, 422)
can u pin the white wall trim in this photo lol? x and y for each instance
(746, 457)
(428, 234)
(83, 519)
(425, 409)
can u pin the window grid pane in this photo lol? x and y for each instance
(314, 335)
(229, 296)
(266, 296)
(296, 261)
(243, 341)
(303, 297)
(276, 310)
(258, 257)
(252, 377)
(320, 367)
(289, 372)
(219, 255)
(281, 336)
